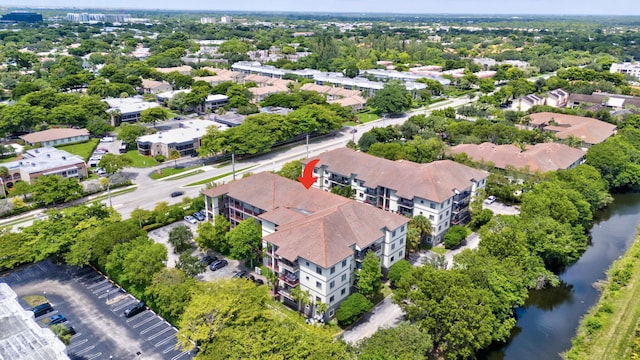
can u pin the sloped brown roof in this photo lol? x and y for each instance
(590, 131)
(540, 157)
(312, 224)
(349, 101)
(53, 134)
(436, 181)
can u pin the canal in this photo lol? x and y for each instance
(548, 320)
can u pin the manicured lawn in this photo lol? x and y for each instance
(187, 174)
(364, 118)
(168, 171)
(83, 150)
(439, 250)
(140, 161)
(34, 300)
(113, 193)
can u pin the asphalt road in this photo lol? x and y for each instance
(150, 192)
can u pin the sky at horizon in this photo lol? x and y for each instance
(538, 7)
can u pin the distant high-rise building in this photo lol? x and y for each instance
(207, 20)
(226, 19)
(28, 17)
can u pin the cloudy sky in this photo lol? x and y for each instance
(559, 7)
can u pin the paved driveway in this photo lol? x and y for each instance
(385, 314)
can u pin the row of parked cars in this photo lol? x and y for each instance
(196, 216)
(46, 308)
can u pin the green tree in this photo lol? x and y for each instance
(62, 332)
(245, 240)
(369, 276)
(133, 264)
(454, 236)
(170, 292)
(398, 270)
(112, 163)
(291, 170)
(99, 127)
(129, 133)
(180, 238)
(174, 155)
(54, 189)
(214, 236)
(393, 98)
(422, 225)
(351, 308)
(191, 265)
(404, 341)
(152, 115)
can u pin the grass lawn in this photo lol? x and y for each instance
(83, 150)
(35, 300)
(185, 175)
(612, 326)
(364, 118)
(140, 161)
(168, 171)
(296, 317)
(206, 181)
(439, 250)
(113, 193)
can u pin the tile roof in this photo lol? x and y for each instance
(349, 101)
(540, 157)
(590, 131)
(312, 224)
(53, 134)
(436, 181)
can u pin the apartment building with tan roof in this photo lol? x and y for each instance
(590, 131)
(541, 157)
(311, 238)
(440, 191)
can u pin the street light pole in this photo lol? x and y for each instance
(307, 145)
(233, 164)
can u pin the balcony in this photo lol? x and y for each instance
(285, 293)
(462, 197)
(359, 255)
(372, 192)
(286, 265)
(290, 279)
(339, 179)
(405, 203)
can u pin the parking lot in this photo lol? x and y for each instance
(161, 236)
(94, 306)
(501, 209)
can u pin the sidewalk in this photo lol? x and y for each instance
(422, 256)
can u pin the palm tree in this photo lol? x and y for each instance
(174, 155)
(300, 296)
(422, 225)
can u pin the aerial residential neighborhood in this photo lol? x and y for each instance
(319, 181)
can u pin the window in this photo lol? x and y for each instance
(333, 269)
(393, 233)
(361, 195)
(432, 205)
(318, 299)
(401, 241)
(431, 217)
(318, 285)
(402, 229)
(439, 227)
(331, 299)
(307, 278)
(393, 246)
(400, 254)
(332, 285)
(344, 263)
(306, 262)
(343, 291)
(344, 277)
(447, 212)
(319, 270)
(393, 258)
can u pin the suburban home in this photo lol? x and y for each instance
(127, 109)
(630, 68)
(210, 103)
(330, 93)
(153, 87)
(43, 161)
(185, 139)
(440, 191)
(260, 93)
(57, 136)
(590, 131)
(557, 98)
(541, 157)
(525, 103)
(184, 70)
(312, 239)
(597, 101)
(355, 103)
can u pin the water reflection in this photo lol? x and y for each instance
(550, 297)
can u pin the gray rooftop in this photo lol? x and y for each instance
(21, 337)
(190, 130)
(43, 159)
(129, 105)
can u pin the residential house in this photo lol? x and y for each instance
(184, 69)
(260, 93)
(153, 87)
(43, 161)
(212, 102)
(557, 98)
(330, 93)
(597, 101)
(525, 103)
(57, 136)
(590, 131)
(630, 68)
(127, 109)
(440, 191)
(355, 103)
(312, 239)
(531, 159)
(185, 139)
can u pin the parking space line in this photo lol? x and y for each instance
(146, 330)
(77, 344)
(157, 334)
(165, 340)
(179, 355)
(170, 348)
(93, 356)
(85, 349)
(97, 284)
(119, 308)
(108, 286)
(137, 325)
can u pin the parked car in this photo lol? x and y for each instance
(177, 193)
(218, 264)
(136, 309)
(490, 200)
(190, 219)
(42, 309)
(57, 319)
(240, 274)
(107, 139)
(208, 259)
(198, 216)
(258, 282)
(69, 330)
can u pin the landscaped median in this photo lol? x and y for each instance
(218, 177)
(611, 329)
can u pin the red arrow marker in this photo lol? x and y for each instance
(307, 179)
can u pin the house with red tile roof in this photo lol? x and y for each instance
(541, 157)
(440, 191)
(56, 136)
(590, 131)
(311, 238)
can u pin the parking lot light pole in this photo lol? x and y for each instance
(107, 296)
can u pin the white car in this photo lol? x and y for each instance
(190, 219)
(490, 200)
(107, 139)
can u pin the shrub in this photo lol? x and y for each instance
(455, 236)
(351, 308)
(398, 270)
(159, 158)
